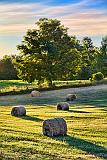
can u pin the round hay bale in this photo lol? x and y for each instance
(54, 127)
(63, 106)
(18, 111)
(35, 93)
(71, 97)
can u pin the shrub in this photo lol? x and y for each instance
(97, 76)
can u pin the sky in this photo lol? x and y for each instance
(82, 17)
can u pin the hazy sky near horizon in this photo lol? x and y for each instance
(82, 17)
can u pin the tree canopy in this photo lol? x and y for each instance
(48, 53)
(89, 58)
(102, 58)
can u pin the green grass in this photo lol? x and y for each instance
(21, 138)
(7, 86)
(15, 85)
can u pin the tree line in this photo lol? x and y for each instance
(7, 68)
(48, 53)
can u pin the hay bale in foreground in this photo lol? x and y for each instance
(18, 111)
(54, 127)
(35, 93)
(63, 106)
(71, 97)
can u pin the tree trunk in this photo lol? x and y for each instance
(50, 83)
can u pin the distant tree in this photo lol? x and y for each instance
(89, 58)
(47, 53)
(75, 46)
(7, 69)
(102, 58)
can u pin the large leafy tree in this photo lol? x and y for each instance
(102, 58)
(47, 53)
(89, 58)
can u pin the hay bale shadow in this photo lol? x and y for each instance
(75, 111)
(81, 144)
(30, 118)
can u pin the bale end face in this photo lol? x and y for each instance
(35, 93)
(18, 111)
(55, 127)
(71, 97)
(63, 106)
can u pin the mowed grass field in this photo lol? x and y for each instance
(21, 138)
(19, 85)
(15, 85)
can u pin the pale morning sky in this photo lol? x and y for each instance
(82, 17)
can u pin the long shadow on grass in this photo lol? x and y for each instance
(75, 111)
(84, 145)
(31, 118)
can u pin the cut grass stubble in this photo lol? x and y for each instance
(22, 138)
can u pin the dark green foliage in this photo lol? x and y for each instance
(97, 76)
(89, 58)
(102, 58)
(7, 69)
(48, 53)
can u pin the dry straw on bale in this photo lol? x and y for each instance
(63, 106)
(71, 97)
(18, 111)
(35, 93)
(54, 127)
